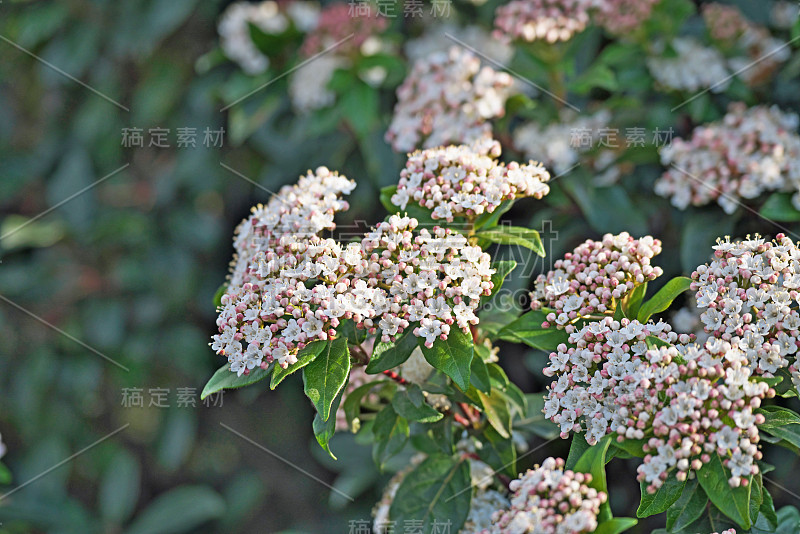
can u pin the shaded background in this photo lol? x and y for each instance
(126, 270)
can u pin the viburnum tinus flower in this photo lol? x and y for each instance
(594, 278)
(692, 68)
(620, 17)
(433, 277)
(550, 499)
(234, 32)
(547, 20)
(750, 151)
(724, 22)
(288, 286)
(466, 181)
(303, 209)
(709, 401)
(338, 24)
(437, 37)
(688, 402)
(594, 374)
(746, 296)
(448, 97)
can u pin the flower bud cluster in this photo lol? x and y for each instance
(549, 499)
(749, 152)
(433, 277)
(596, 374)
(747, 296)
(466, 181)
(547, 20)
(592, 280)
(448, 97)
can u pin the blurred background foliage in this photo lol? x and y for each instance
(127, 269)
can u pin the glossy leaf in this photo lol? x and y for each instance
(663, 498)
(410, 403)
(514, 235)
(616, 525)
(452, 356)
(391, 433)
(664, 297)
(502, 270)
(733, 502)
(690, 506)
(495, 406)
(224, 378)
(326, 375)
(387, 356)
(438, 490)
(324, 430)
(305, 356)
(528, 329)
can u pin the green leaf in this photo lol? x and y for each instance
(593, 461)
(498, 452)
(352, 404)
(690, 506)
(733, 502)
(577, 448)
(633, 301)
(598, 75)
(489, 220)
(654, 342)
(495, 406)
(777, 416)
(664, 297)
(391, 433)
(528, 329)
(634, 447)
(663, 498)
(616, 525)
(5, 475)
(479, 373)
(789, 435)
(502, 270)
(224, 378)
(779, 207)
(387, 356)
(347, 328)
(218, 295)
(411, 404)
(305, 356)
(438, 490)
(120, 487)
(326, 375)
(452, 356)
(514, 235)
(182, 509)
(324, 430)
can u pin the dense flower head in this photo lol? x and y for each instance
(594, 278)
(724, 22)
(303, 209)
(550, 500)
(746, 296)
(622, 16)
(234, 32)
(547, 20)
(750, 151)
(695, 67)
(308, 84)
(596, 375)
(710, 397)
(466, 180)
(337, 23)
(688, 402)
(447, 97)
(433, 277)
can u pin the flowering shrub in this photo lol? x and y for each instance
(396, 330)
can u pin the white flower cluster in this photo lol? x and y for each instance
(447, 97)
(749, 152)
(556, 145)
(466, 181)
(694, 68)
(688, 402)
(591, 280)
(748, 295)
(432, 277)
(289, 286)
(595, 373)
(547, 20)
(267, 16)
(550, 500)
(308, 85)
